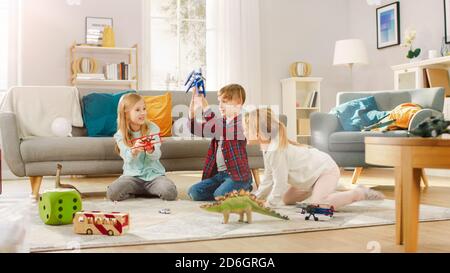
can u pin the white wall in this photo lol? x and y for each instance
(427, 17)
(291, 30)
(303, 30)
(49, 27)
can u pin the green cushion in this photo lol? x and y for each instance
(100, 113)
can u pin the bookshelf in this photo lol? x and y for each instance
(413, 75)
(298, 102)
(105, 56)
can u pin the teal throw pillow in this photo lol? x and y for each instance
(100, 113)
(356, 114)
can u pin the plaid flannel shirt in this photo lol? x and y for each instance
(234, 145)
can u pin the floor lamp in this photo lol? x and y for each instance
(350, 52)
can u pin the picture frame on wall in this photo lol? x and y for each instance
(388, 25)
(94, 29)
(447, 20)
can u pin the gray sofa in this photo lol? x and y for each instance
(35, 157)
(347, 148)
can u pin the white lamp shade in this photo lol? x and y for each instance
(351, 51)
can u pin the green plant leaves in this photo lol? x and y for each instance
(413, 54)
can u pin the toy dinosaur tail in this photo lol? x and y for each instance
(267, 211)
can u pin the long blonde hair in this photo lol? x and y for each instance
(262, 123)
(126, 103)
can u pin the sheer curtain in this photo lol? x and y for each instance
(14, 43)
(233, 46)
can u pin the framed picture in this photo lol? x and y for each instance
(388, 25)
(447, 20)
(94, 29)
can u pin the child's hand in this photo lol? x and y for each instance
(138, 147)
(151, 150)
(198, 101)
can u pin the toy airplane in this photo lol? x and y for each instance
(196, 79)
(313, 209)
(431, 127)
(148, 141)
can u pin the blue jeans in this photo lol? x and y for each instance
(218, 185)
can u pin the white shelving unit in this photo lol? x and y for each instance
(296, 93)
(106, 55)
(412, 75)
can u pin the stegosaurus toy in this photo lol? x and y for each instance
(242, 202)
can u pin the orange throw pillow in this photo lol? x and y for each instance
(159, 111)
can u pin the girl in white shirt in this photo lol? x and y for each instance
(294, 172)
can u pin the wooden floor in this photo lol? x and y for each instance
(434, 236)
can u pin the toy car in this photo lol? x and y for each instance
(313, 209)
(148, 141)
(164, 211)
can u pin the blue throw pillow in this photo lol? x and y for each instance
(356, 114)
(100, 113)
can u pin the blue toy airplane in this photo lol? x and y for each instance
(196, 79)
(313, 209)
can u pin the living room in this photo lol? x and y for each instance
(358, 92)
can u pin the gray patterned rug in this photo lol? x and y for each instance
(187, 222)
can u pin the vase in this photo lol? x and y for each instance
(108, 37)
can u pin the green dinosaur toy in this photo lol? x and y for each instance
(241, 203)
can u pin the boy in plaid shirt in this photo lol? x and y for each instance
(226, 167)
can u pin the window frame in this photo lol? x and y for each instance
(147, 83)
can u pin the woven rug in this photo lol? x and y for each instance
(187, 222)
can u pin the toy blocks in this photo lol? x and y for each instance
(101, 223)
(58, 207)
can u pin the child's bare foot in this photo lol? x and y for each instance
(370, 194)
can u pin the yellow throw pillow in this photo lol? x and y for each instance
(159, 110)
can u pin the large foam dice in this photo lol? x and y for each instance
(58, 207)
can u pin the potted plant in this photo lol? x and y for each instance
(410, 36)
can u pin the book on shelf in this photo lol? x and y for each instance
(90, 76)
(313, 100)
(307, 101)
(116, 72)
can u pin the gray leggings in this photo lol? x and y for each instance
(128, 187)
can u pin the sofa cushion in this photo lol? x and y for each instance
(159, 111)
(100, 113)
(37, 149)
(354, 141)
(356, 114)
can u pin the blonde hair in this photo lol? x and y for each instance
(233, 92)
(262, 123)
(126, 103)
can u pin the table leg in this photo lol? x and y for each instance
(398, 207)
(410, 207)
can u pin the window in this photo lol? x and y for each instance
(177, 41)
(4, 24)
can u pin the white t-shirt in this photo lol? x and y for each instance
(299, 166)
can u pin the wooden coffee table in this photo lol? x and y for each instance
(409, 156)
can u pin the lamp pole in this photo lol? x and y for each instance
(350, 65)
